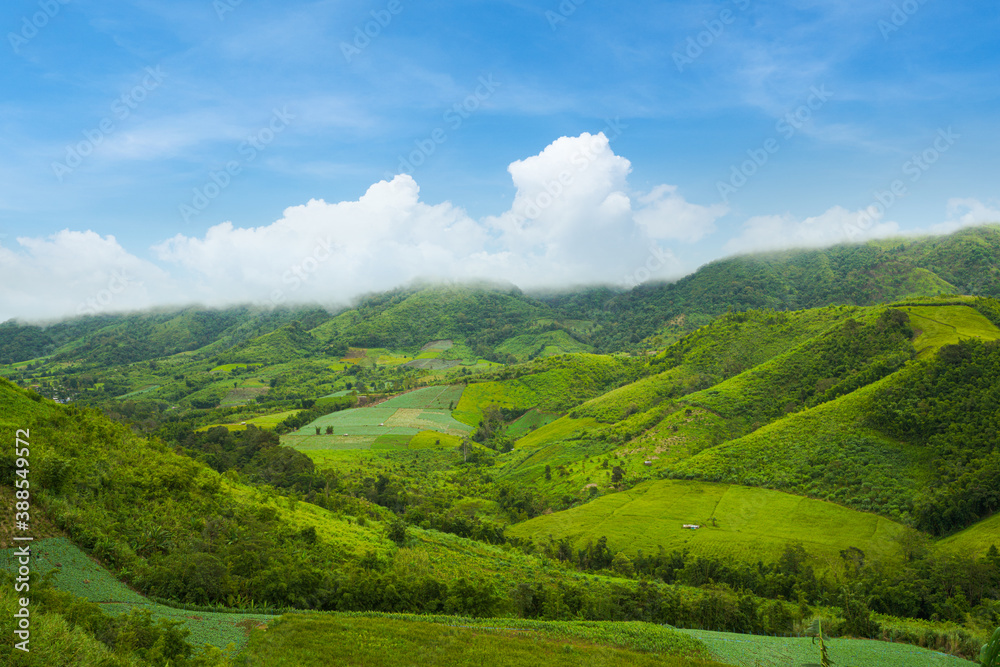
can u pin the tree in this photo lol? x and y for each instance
(397, 531)
(617, 475)
(622, 564)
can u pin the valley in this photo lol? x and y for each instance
(459, 471)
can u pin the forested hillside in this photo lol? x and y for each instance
(773, 440)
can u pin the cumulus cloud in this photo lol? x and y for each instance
(836, 225)
(75, 273)
(574, 220)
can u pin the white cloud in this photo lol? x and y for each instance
(71, 273)
(572, 221)
(668, 216)
(966, 212)
(836, 225)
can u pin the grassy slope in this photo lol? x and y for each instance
(975, 540)
(77, 573)
(550, 385)
(823, 452)
(786, 453)
(946, 325)
(529, 346)
(355, 639)
(751, 524)
(661, 420)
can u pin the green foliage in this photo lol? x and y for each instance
(70, 630)
(947, 405)
(877, 272)
(751, 524)
(323, 639)
(408, 318)
(815, 630)
(989, 656)
(555, 384)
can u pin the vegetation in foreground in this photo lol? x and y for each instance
(356, 639)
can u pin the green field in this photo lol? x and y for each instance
(428, 398)
(751, 524)
(264, 421)
(765, 651)
(139, 392)
(529, 421)
(975, 540)
(388, 425)
(383, 639)
(226, 368)
(434, 440)
(77, 573)
(561, 429)
(946, 325)
(241, 395)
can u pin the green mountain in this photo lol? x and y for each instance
(440, 455)
(966, 262)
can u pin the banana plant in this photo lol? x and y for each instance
(816, 631)
(989, 655)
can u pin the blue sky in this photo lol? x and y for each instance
(162, 152)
